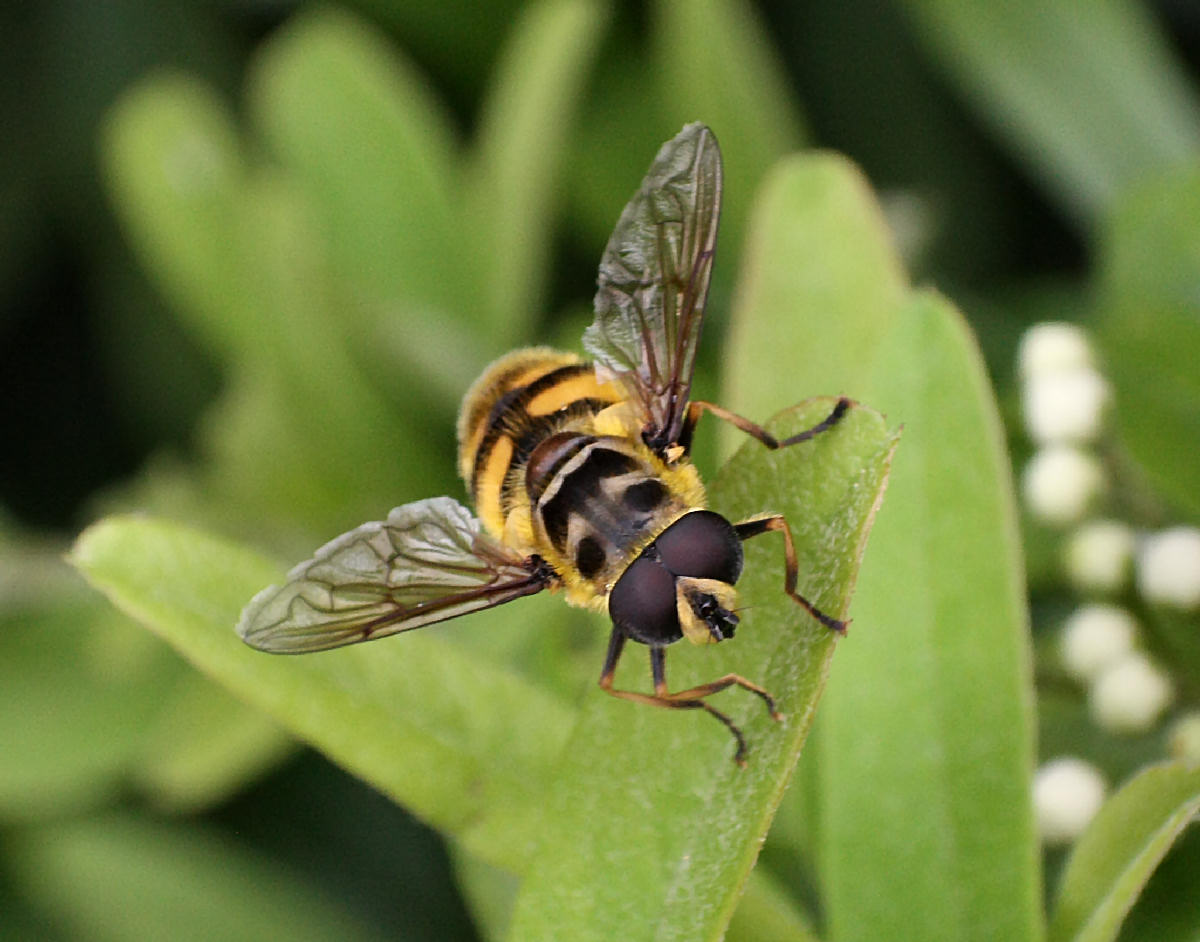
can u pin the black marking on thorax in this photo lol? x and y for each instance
(601, 503)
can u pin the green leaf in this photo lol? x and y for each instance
(175, 171)
(1167, 907)
(488, 892)
(768, 913)
(202, 745)
(713, 61)
(1092, 101)
(462, 743)
(79, 685)
(1149, 285)
(819, 323)
(938, 789)
(117, 878)
(341, 431)
(374, 153)
(1111, 863)
(91, 704)
(924, 746)
(654, 827)
(514, 181)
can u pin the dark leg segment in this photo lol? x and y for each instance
(757, 525)
(691, 699)
(698, 407)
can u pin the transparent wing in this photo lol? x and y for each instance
(654, 279)
(427, 562)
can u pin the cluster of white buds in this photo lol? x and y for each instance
(1127, 692)
(1168, 568)
(1063, 398)
(1067, 793)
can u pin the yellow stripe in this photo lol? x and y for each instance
(488, 484)
(512, 371)
(583, 386)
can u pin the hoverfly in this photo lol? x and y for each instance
(579, 473)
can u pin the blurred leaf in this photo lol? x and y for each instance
(514, 184)
(819, 285)
(465, 745)
(488, 891)
(359, 454)
(1114, 858)
(175, 172)
(1150, 304)
(203, 745)
(768, 913)
(78, 686)
(924, 746)
(115, 878)
(1167, 907)
(714, 63)
(1093, 100)
(654, 828)
(612, 146)
(90, 703)
(374, 153)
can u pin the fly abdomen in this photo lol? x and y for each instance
(520, 401)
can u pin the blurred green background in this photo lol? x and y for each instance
(1033, 162)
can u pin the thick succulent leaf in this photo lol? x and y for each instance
(924, 747)
(460, 742)
(356, 127)
(655, 828)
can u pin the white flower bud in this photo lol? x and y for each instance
(1184, 739)
(1168, 568)
(1067, 793)
(1094, 638)
(1130, 695)
(1067, 405)
(1060, 482)
(1099, 556)
(1053, 347)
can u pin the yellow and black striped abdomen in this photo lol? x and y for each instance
(518, 402)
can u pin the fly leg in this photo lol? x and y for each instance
(698, 407)
(690, 699)
(756, 525)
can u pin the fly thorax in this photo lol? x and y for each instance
(598, 502)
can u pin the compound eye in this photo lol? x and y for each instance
(702, 544)
(642, 603)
